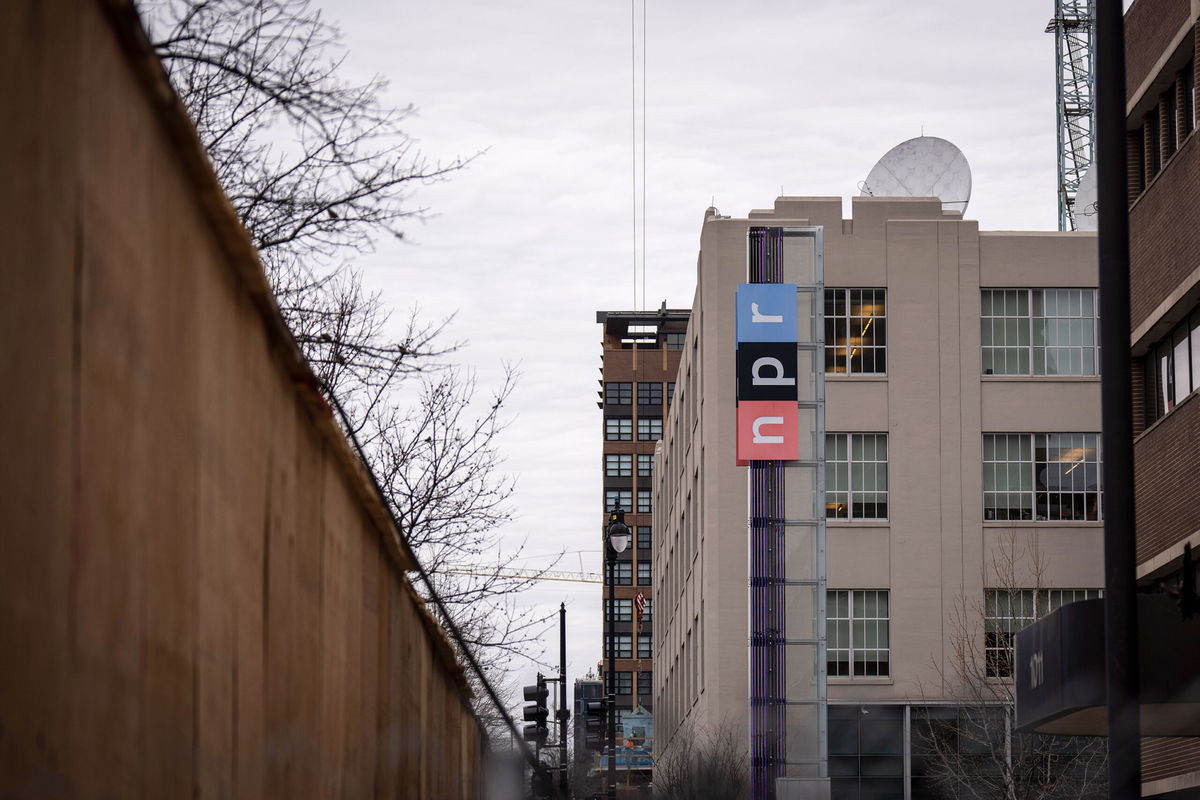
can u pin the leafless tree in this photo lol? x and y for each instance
(704, 763)
(318, 169)
(970, 747)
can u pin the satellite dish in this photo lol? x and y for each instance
(923, 167)
(1085, 210)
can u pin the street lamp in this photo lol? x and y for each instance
(617, 539)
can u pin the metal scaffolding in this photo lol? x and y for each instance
(1073, 27)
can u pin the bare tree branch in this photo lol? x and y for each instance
(318, 169)
(971, 748)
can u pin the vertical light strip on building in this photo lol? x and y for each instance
(766, 547)
(769, 432)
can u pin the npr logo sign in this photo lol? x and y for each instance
(768, 423)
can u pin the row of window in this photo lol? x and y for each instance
(620, 465)
(858, 621)
(1039, 332)
(624, 683)
(624, 610)
(1022, 332)
(1164, 128)
(623, 573)
(1173, 368)
(1006, 612)
(1026, 476)
(620, 393)
(624, 645)
(622, 500)
(620, 429)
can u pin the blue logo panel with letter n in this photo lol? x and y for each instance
(766, 312)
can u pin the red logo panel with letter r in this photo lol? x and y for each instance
(768, 430)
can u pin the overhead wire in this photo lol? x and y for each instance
(644, 41)
(633, 132)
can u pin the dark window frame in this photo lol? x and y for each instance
(649, 393)
(618, 393)
(618, 429)
(842, 355)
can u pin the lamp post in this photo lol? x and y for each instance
(616, 540)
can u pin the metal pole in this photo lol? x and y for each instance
(1120, 555)
(562, 698)
(611, 676)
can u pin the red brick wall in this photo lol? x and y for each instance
(1166, 463)
(1164, 232)
(1149, 27)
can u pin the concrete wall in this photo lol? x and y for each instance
(200, 593)
(934, 551)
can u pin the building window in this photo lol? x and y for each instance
(624, 610)
(644, 537)
(856, 632)
(624, 646)
(648, 611)
(1042, 476)
(645, 465)
(645, 646)
(855, 332)
(618, 428)
(1039, 332)
(866, 753)
(645, 504)
(624, 682)
(624, 573)
(644, 577)
(856, 482)
(1189, 98)
(620, 499)
(670, 392)
(649, 429)
(618, 394)
(618, 465)
(649, 394)
(1173, 368)
(1009, 611)
(645, 683)
(675, 340)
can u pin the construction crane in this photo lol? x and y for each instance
(513, 572)
(1074, 26)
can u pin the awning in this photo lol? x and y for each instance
(1060, 670)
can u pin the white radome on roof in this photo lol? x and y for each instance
(922, 167)
(1086, 216)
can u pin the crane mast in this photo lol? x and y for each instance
(1073, 27)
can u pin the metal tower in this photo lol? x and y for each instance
(1073, 27)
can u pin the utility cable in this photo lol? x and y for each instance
(447, 621)
(633, 132)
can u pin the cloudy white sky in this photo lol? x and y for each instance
(743, 99)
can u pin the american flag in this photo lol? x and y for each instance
(639, 603)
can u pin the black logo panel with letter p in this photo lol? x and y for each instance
(766, 371)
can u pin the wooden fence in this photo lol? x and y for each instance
(200, 592)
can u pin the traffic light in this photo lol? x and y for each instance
(536, 713)
(595, 722)
(616, 515)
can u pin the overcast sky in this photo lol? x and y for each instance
(743, 99)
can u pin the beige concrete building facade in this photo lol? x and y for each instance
(944, 473)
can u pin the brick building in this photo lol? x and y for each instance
(640, 357)
(1164, 224)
